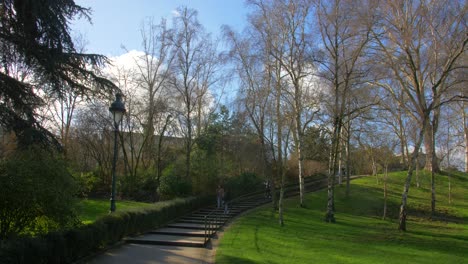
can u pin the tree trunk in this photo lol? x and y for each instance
(348, 167)
(431, 163)
(417, 173)
(414, 159)
(301, 183)
(340, 171)
(330, 214)
(465, 129)
(374, 169)
(449, 189)
(298, 138)
(385, 193)
(434, 169)
(433, 193)
(188, 147)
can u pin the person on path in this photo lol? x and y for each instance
(267, 189)
(219, 196)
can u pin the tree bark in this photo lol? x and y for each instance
(348, 165)
(431, 163)
(465, 129)
(414, 159)
(385, 193)
(330, 214)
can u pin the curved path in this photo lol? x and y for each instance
(192, 238)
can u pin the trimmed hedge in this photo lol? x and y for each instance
(71, 245)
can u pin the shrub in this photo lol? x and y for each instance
(87, 182)
(37, 194)
(71, 245)
(173, 184)
(246, 182)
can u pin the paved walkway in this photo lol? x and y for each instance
(147, 248)
(155, 254)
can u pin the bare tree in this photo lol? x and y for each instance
(288, 20)
(194, 72)
(153, 70)
(60, 107)
(344, 29)
(254, 96)
(420, 43)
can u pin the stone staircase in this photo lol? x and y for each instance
(196, 228)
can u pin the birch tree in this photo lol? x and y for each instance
(249, 55)
(344, 30)
(293, 51)
(420, 43)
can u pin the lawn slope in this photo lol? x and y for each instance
(91, 209)
(360, 235)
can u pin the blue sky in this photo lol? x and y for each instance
(117, 22)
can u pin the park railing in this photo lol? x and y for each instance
(213, 219)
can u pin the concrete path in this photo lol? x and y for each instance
(144, 249)
(156, 254)
(153, 254)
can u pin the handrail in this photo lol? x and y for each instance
(210, 223)
(213, 218)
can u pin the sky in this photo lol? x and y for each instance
(116, 23)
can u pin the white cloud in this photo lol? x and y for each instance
(175, 13)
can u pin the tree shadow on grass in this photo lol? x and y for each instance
(234, 259)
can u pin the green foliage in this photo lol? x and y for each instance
(173, 183)
(316, 144)
(244, 183)
(139, 187)
(359, 235)
(89, 210)
(87, 182)
(37, 194)
(36, 39)
(71, 245)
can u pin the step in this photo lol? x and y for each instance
(206, 211)
(180, 232)
(202, 217)
(168, 240)
(202, 221)
(222, 217)
(192, 226)
(220, 214)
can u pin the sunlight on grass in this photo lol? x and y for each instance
(360, 235)
(91, 209)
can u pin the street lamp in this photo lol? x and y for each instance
(117, 109)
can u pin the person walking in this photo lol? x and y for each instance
(267, 189)
(219, 196)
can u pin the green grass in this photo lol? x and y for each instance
(91, 209)
(360, 235)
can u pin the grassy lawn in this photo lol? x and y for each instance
(360, 235)
(90, 209)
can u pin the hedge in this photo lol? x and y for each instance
(71, 245)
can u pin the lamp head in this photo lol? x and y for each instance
(117, 109)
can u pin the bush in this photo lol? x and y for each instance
(245, 183)
(71, 245)
(140, 187)
(37, 194)
(173, 184)
(87, 182)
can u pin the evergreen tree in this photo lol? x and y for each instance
(35, 39)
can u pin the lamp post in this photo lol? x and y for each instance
(117, 109)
